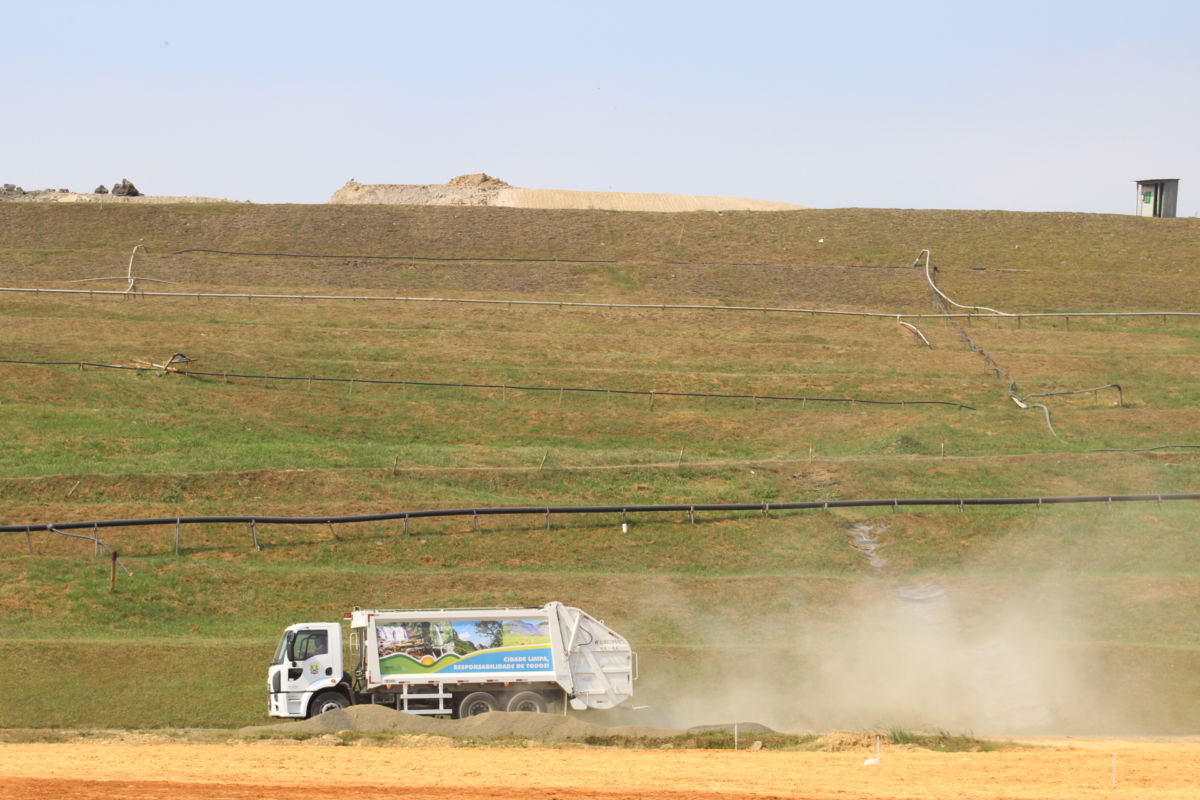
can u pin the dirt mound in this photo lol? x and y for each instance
(436, 194)
(481, 189)
(524, 724)
(842, 741)
(527, 725)
(742, 727)
(123, 192)
(480, 180)
(632, 201)
(356, 718)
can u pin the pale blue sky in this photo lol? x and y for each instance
(1018, 105)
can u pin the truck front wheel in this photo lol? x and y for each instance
(527, 701)
(477, 703)
(327, 701)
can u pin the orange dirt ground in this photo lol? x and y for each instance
(1051, 769)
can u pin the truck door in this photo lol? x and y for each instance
(312, 658)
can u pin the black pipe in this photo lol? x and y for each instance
(502, 386)
(606, 509)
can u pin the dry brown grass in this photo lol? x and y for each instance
(99, 444)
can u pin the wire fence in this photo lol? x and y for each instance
(502, 387)
(1017, 317)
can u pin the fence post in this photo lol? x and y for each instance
(177, 536)
(112, 572)
(254, 534)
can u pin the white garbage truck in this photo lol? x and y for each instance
(453, 662)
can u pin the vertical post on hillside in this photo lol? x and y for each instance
(254, 534)
(112, 572)
(177, 536)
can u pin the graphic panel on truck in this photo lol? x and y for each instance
(463, 646)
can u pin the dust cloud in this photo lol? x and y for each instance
(981, 651)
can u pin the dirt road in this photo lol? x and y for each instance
(1062, 769)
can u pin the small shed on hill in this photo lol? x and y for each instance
(1157, 196)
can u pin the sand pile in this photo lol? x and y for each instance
(633, 201)
(432, 194)
(480, 180)
(528, 725)
(481, 189)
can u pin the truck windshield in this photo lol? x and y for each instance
(284, 645)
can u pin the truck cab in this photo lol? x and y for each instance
(306, 677)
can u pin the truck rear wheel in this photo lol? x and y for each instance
(327, 701)
(527, 701)
(477, 703)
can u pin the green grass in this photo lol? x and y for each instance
(1110, 588)
(946, 742)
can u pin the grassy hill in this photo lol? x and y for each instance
(1082, 611)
